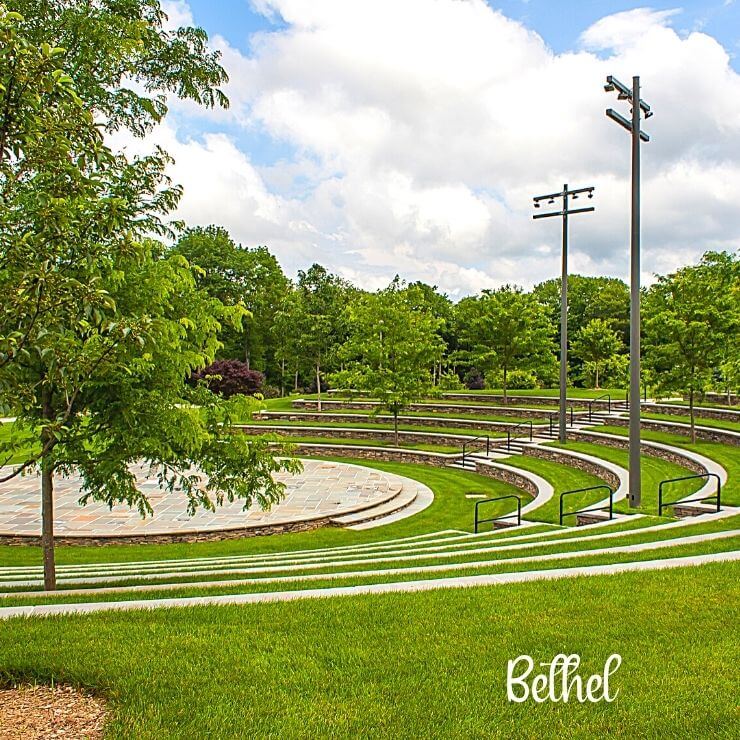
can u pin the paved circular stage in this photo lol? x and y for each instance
(314, 497)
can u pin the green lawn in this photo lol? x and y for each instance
(405, 665)
(653, 469)
(617, 394)
(733, 426)
(728, 456)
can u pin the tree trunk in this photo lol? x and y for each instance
(47, 525)
(295, 382)
(691, 416)
(597, 375)
(318, 385)
(282, 377)
(505, 399)
(395, 426)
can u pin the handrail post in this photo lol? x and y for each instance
(518, 511)
(488, 445)
(531, 430)
(551, 425)
(508, 440)
(561, 510)
(719, 493)
(571, 416)
(611, 504)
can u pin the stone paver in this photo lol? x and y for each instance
(322, 489)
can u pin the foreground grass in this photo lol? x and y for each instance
(360, 666)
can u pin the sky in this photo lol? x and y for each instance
(384, 137)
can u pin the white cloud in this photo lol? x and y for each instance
(178, 13)
(423, 128)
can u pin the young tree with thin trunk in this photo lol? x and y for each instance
(98, 328)
(690, 316)
(392, 344)
(595, 344)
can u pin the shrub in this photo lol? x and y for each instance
(450, 382)
(515, 380)
(229, 378)
(474, 380)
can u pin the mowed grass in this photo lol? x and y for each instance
(450, 510)
(728, 456)
(405, 665)
(700, 421)
(653, 469)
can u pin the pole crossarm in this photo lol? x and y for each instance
(622, 121)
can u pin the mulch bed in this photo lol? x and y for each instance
(41, 712)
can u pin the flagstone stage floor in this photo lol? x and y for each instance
(322, 491)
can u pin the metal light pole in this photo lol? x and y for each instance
(564, 213)
(633, 126)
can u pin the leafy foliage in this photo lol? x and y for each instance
(391, 347)
(229, 378)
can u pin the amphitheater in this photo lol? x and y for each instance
(477, 491)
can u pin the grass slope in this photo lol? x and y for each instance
(405, 665)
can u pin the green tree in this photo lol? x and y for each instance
(690, 315)
(123, 61)
(102, 329)
(595, 344)
(238, 275)
(503, 330)
(317, 316)
(391, 347)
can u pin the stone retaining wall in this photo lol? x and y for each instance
(172, 537)
(507, 476)
(490, 427)
(441, 408)
(382, 435)
(555, 455)
(622, 443)
(383, 454)
(529, 400)
(723, 436)
(706, 413)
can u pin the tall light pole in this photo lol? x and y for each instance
(564, 212)
(633, 126)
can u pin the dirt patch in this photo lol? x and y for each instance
(41, 712)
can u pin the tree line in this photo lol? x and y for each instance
(301, 334)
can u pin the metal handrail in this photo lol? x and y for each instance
(509, 431)
(503, 516)
(717, 496)
(469, 442)
(599, 398)
(596, 508)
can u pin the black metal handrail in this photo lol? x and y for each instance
(509, 431)
(469, 442)
(717, 496)
(610, 507)
(503, 516)
(599, 398)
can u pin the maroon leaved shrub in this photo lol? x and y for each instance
(229, 378)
